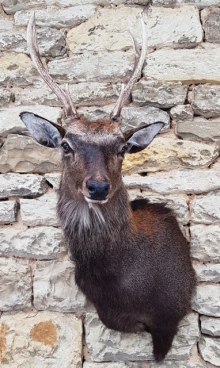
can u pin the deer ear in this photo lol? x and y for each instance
(43, 131)
(139, 138)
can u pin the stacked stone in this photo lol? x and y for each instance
(45, 320)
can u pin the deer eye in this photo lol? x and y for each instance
(66, 147)
(122, 152)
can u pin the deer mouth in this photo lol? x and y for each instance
(96, 201)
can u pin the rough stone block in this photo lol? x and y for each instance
(40, 243)
(163, 95)
(112, 365)
(199, 3)
(53, 179)
(132, 117)
(210, 350)
(11, 6)
(183, 364)
(205, 242)
(169, 154)
(15, 285)
(55, 288)
(10, 122)
(207, 300)
(7, 212)
(16, 70)
(206, 208)
(211, 19)
(189, 66)
(210, 326)
(41, 339)
(199, 128)
(178, 27)
(23, 154)
(207, 272)
(108, 345)
(89, 67)
(206, 100)
(182, 113)
(57, 18)
(187, 181)
(5, 96)
(44, 213)
(21, 185)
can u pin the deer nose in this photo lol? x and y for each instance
(97, 190)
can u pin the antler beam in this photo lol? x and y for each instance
(33, 49)
(125, 91)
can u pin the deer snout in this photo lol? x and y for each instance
(97, 190)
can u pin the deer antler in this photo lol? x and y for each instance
(33, 49)
(125, 91)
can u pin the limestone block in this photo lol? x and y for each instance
(66, 3)
(55, 288)
(5, 96)
(182, 112)
(206, 100)
(210, 326)
(21, 185)
(15, 285)
(57, 18)
(99, 67)
(189, 66)
(10, 122)
(109, 345)
(162, 95)
(16, 70)
(132, 117)
(170, 154)
(112, 365)
(199, 3)
(23, 154)
(205, 242)
(40, 243)
(53, 179)
(44, 213)
(206, 208)
(178, 27)
(207, 272)
(11, 6)
(41, 339)
(199, 129)
(82, 94)
(210, 350)
(183, 364)
(7, 212)
(206, 299)
(178, 203)
(187, 181)
(211, 24)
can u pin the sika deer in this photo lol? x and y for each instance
(132, 260)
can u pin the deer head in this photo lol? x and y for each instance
(92, 151)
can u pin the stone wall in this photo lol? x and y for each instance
(45, 321)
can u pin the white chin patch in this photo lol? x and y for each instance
(93, 201)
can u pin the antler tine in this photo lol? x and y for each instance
(125, 91)
(43, 71)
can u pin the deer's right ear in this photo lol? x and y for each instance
(43, 131)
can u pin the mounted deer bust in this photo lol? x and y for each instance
(132, 261)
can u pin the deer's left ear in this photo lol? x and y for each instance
(139, 138)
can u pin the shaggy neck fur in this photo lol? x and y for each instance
(93, 229)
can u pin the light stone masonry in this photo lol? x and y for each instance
(8, 211)
(205, 209)
(21, 185)
(210, 326)
(44, 213)
(41, 339)
(39, 243)
(108, 345)
(210, 350)
(207, 272)
(206, 100)
(15, 285)
(199, 129)
(207, 299)
(205, 242)
(55, 288)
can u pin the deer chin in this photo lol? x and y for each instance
(94, 201)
